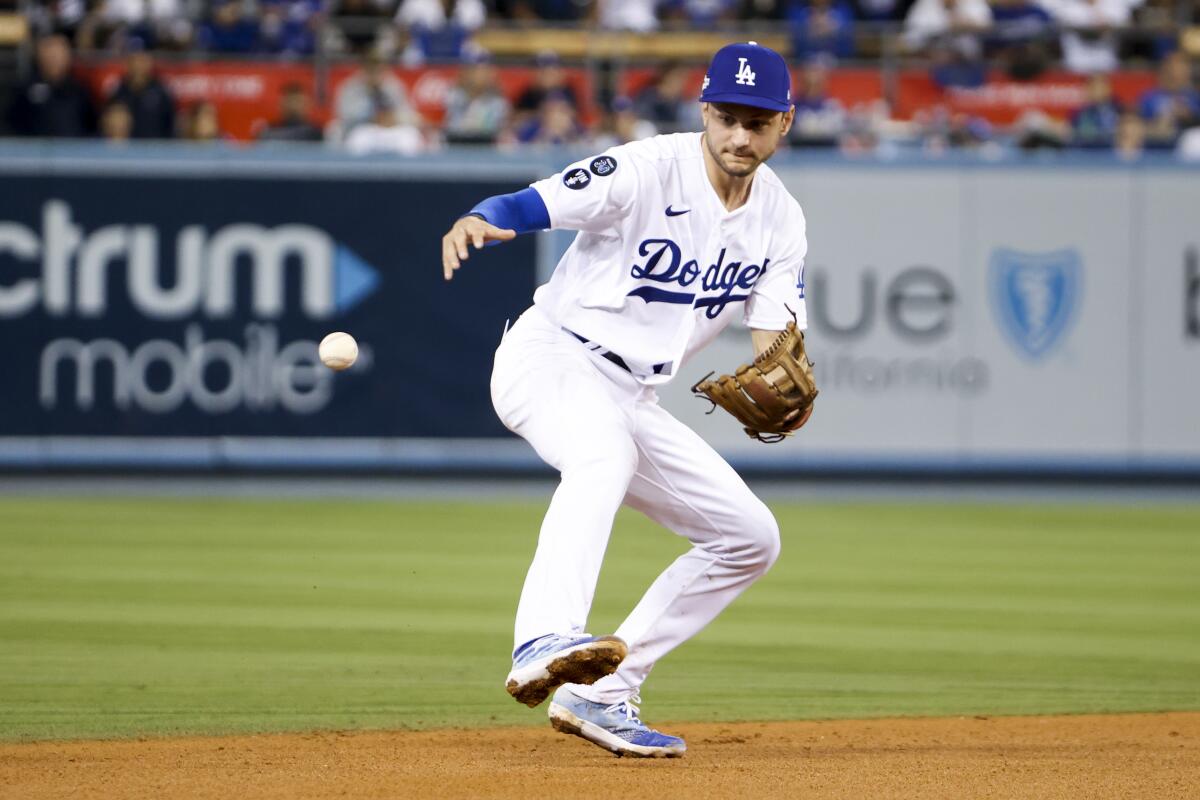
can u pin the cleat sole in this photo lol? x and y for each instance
(584, 665)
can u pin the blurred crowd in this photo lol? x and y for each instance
(1088, 35)
(372, 110)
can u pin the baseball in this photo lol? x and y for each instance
(338, 350)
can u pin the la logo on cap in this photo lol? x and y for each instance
(745, 75)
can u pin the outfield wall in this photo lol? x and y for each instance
(964, 316)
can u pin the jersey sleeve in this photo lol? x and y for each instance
(779, 293)
(593, 194)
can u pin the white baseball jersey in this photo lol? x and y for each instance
(660, 266)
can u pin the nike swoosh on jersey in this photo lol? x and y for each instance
(673, 213)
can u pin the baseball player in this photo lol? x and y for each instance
(677, 235)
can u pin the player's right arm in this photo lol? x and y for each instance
(469, 230)
(496, 219)
(590, 195)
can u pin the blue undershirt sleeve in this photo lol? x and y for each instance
(522, 211)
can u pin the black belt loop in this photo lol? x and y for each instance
(616, 359)
(613, 357)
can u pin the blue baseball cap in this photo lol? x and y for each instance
(749, 75)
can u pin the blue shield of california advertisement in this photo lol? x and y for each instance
(1035, 297)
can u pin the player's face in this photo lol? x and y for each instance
(742, 137)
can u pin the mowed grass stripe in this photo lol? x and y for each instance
(129, 617)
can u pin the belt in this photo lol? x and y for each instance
(611, 356)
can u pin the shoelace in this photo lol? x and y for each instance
(631, 710)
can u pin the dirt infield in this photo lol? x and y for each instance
(1120, 756)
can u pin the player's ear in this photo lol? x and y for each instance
(788, 116)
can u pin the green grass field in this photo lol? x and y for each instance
(129, 617)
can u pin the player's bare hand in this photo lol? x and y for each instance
(468, 232)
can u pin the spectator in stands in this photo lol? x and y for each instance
(295, 123)
(156, 23)
(667, 103)
(941, 131)
(1188, 147)
(468, 14)
(627, 15)
(821, 29)
(52, 103)
(290, 27)
(820, 118)
(56, 16)
(1088, 42)
(228, 30)
(700, 13)
(542, 10)
(967, 132)
(354, 34)
(1161, 32)
(114, 24)
(116, 122)
(881, 10)
(201, 123)
(386, 132)
(763, 9)
(1172, 105)
(1130, 140)
(1095, 124)
(1019, 37)
(949, 32)
(438, 29)
(360, 98)
(549, 80)
(556, 124)
(1037, 130)
(621, 126)
(476, 109)
(860, 136)
(145, 98)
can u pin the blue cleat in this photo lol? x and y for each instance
(616, 727)
(544, 664)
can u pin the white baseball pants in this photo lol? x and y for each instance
(611, 442)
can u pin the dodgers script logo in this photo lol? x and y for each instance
(665, 265)
(1034, 297)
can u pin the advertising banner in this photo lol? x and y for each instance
(990, 317)
(1165, 330)
(186, 306)
(167, 309)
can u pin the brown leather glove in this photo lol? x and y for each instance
(773, 395)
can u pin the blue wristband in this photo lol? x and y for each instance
(521, 211)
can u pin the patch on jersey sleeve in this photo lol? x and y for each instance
(577, 178)
(603, 165)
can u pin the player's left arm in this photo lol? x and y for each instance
(763, 339)
(778, 295)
